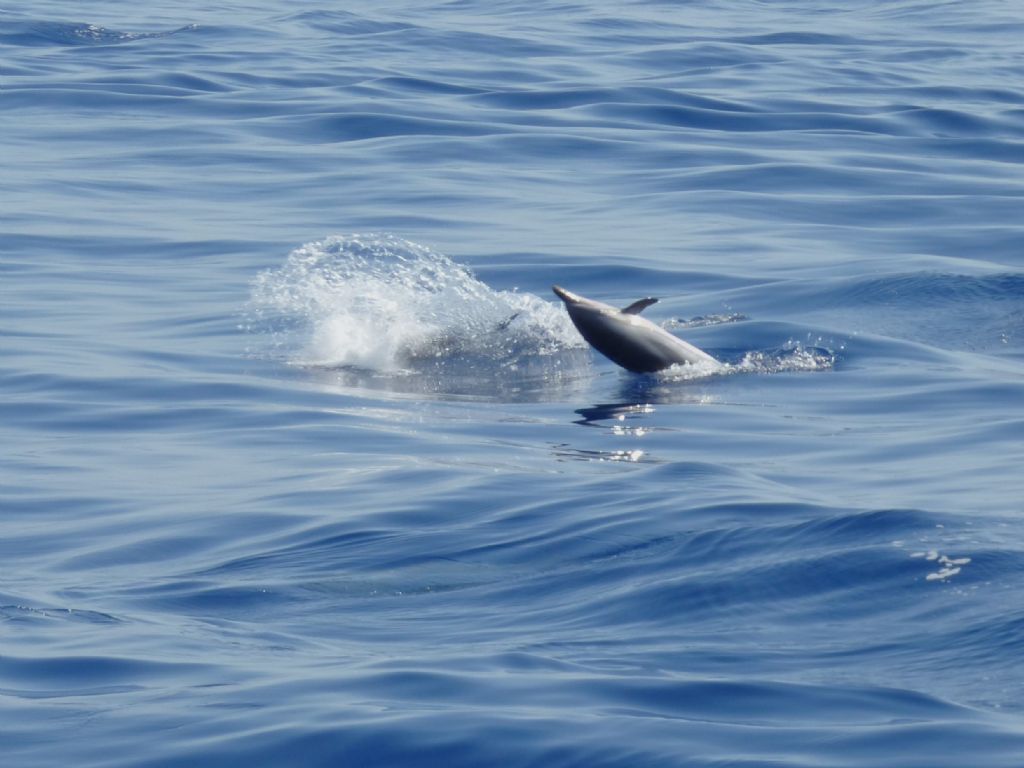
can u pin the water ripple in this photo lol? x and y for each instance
(364, 502)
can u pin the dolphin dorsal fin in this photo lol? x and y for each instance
(639, 306)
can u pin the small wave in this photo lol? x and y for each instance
(930, 289)
(344, 23)
(946, 311)
(380, 303)
(34, 33)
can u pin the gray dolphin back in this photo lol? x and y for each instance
(627, 339)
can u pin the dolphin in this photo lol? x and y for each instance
(625, 338)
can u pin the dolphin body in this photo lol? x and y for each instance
(625, 338)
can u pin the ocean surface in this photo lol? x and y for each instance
(303, 464)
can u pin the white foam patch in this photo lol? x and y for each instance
(381, 303)
(692, 371)
(793, 358)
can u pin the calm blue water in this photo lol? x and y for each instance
(303, 464)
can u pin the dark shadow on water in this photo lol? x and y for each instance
(638, 394)
(595, 414)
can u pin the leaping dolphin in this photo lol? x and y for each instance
(625, 338)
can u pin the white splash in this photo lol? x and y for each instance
(378, 303)
(381, 303)
(694, 371)
(793, 357)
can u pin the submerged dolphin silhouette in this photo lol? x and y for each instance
(625, 338)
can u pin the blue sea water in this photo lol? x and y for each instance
(303, 464)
